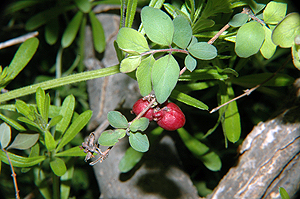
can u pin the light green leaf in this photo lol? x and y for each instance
(5, 135)
(111, 137)
(129, 64)
(58, 166)
(75, 128)
(20, 161)
(84, 5)
(132, 41)
(139, 142)
(268, 48)
(98, 33)
(238, 20)
(212, 161)
(143, 75)
(12, 123)
(190, 63)
(51, 31)
(249, 39)
(296, 56)
(182, 97)
(283, 193)
(55, 120)
(165, 73)
(24, 141)
(130, 159)
(66, 180)
(274, 12)
(130, 12)
(203, 50)
(49, 141)
(182, 32)
(285, 32)
(30, 122)
(71, 30)
(24, 109)
(203, 74)
(74, 152)
(139, 125)
(157, 25)
(66, 112)
(202, 24)
(43, 103)
(117, 120)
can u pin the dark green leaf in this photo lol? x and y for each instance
(71, 30)
(283, 193)
(24, 141)
(216, 6)
(174, 12)
(111, 137)
(129, 64)
(75, 151)
(117, 120)
(5, 135)
(51, 31)
(139, 142)
(12, 123)
(212, 161)
(84, 5)
(203, 74)
(238, 20)
(157, 25)
(190, 63)
(202, 24)
(188, 100)
(165, 73)
(20, 161)
(58, 166)
(130, 159)
(274, 12)
(143, 75)
(203, 50)
(98, 33)
(139, 125)
(182, 32)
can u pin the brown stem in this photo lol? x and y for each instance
(18, 40)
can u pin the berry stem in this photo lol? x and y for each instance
(144, 110)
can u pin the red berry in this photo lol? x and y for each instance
(140, 105)
(170, 117)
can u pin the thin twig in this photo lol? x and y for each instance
(144, 110)
(18, 40)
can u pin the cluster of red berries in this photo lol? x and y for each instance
(169, 117)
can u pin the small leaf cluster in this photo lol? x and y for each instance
(138, 140)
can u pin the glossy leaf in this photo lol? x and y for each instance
(71, 30)
(84, 5)
(12, 123)
(268, 48)
(58, 166)
(212, 161)
(132, 41)
(66, 112)
(139, 142)
(238, 20)
(165, 73)
(285, 32)
(24, 141)
(249, 39)
(190, 63)
(157, 25)
(75, 128)
(139, 125)
(5, 135)
(51, 31)
(49, 141)
(274, 12)
(182, 97)
(182, 32)
(143, 75)
(130, 159)
(98, 33)
(111, 137)
(129, 64)
(283, 193)
(117, 120)
(203, 50)
(20, 161)
(74, 152)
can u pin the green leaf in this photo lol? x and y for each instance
(117, 120)
(111, 137)
(55, 120)
(84, 5)
(139, 125)
(43, 17)
(283, 193)
(20, 161)
(129, 64)
(274, 12)
(268, 48)
(238, 20)
(12, 123)
(203, 50)
(58, 166)
(212, 161)
(202, 24)
(182, 32)
(24, 141)
(139, 142)
(188, 100)
(285, 32)
(66, 180)
(49, 141)
(132, 41)
(71, 30)
(74, 152)
(30, 122)
(66, 112)
(98, 33)
(21, 58)
(130, 159)
(24, 109)
(190, 63)
(5, 135)
(51, 31)
(231, 118)
(130, 12)
(74, 128)
(143, 75)
(296, 55)
(165, 73)
(43, 103)
(249, 39)
(203, 74)
(157, 25)
(216, 6)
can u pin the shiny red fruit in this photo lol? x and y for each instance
(170, 117)
(139, 106)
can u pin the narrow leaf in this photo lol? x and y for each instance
(24, 141)
(139, 142)
(12, 123)
(74, 152)
(182, 97)
(283, 193)
(130, 159)
(130, 12)
(5, 135)
(49, 141)
(98, 33)
(71, 30)
(212, 161)
(58, 166)
(66, 112)
(51, 31)
(20, 161)
(54, 121)
(117, 120)
(84, 5)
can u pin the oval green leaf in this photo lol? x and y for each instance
(165, 73)
(157, 25)
(268, 48)
(98, 33)
(249, 39)
(238, 20)
(49, 141)
(130, 159)
(143, 75)
(24, 141)
(182, 32)
(5, 135)
(190, 63)
(111, 137)
(84, 5)
(71, 30)
(203, 50)
(283, 193)
(274, 12)
(139, 125)
(212, 161)
(117, 120)
(51, 31)
(129, 64)
(139, 142)
(58, 166)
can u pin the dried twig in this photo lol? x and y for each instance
(18, 40)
